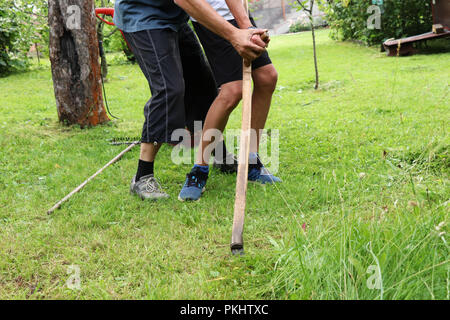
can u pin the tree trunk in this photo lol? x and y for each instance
(316, 68)
(74, 57)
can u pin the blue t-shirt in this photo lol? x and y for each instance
(138, 15)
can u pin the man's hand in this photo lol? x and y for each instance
(248, 43)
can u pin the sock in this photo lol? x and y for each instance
(204, 169)
(144, 168)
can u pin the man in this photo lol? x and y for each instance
(227, 68)
(171, 59)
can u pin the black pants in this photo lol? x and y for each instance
(180, 79)
(225, 61)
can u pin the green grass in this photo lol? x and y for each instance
(366, 181)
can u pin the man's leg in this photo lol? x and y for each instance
(157, 53)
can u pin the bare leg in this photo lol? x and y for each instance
(265, 81)
(229, 96)
(149, 151)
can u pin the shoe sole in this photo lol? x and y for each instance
(265, 183)
(148, 199)
(191, 200)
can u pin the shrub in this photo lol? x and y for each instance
(11, 55)
(22, 24)
(299, 26)
(399, 18)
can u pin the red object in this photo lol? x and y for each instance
(107, 12)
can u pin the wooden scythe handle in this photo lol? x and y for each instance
(237, 242)
(81, 186)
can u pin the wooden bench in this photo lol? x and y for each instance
(404, 47)
(441, 28)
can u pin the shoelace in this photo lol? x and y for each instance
(193, 180)
(152, 185)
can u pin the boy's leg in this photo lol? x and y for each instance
(201, 89)
(200, 86)
(265, 80)
(229, 96)
(264, 84)
(157, 53)
(227, 67)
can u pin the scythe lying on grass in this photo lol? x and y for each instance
(81, 186)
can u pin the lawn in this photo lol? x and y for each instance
(362, 212)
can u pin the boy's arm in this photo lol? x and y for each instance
(239, 13)
(239, 38)
(241, 16)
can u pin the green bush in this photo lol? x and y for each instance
(22, 24)
(399, 18)
(11, 55)
(299, 26)
(305, 25)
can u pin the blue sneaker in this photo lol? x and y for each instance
(194, 185)
(261, 175)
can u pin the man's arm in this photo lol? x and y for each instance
(239, 38)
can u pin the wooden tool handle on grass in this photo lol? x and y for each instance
(81, 186)
(237, 241)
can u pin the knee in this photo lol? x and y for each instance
(230, 96)
(267, 80)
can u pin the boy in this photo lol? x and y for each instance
(226, 65)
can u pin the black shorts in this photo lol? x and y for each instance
(180, 80)
(225, 62)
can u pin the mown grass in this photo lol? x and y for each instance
(366, 185)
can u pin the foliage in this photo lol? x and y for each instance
(299, 27)
(22, 24)
(113, 40)
(116, 43)
(365, 168)
(399, 18)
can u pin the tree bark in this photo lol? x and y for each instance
(313, 31)
(74, 56)
(316, 68)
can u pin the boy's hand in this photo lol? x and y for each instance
(261, 40)
(248, 43)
